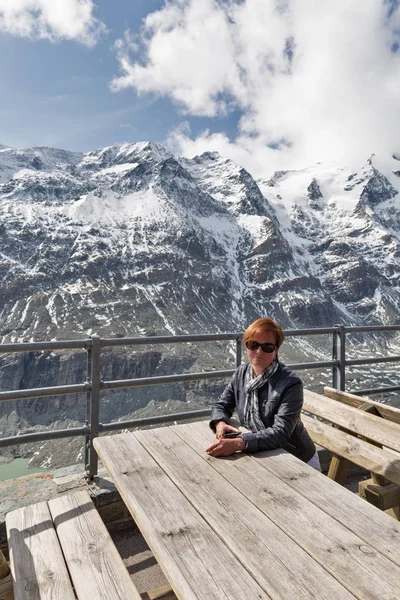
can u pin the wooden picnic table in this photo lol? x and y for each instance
(250, 526)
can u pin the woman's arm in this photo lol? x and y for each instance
(285, 420)
(223, 409)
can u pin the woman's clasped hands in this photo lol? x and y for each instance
(225, 446)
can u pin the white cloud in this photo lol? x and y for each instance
(183, 42)
(313, 81)
(51, 19)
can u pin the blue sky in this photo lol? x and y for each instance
(202, 75)
(57, 93)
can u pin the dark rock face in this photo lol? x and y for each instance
(276, 177)
(354, 282)
(37, 370)
(314, 194)
(377, 190)
(130, 240)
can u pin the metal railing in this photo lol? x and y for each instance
(94, 384)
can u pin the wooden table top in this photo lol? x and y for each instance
(250, 526)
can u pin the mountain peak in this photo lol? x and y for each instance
(124, 154)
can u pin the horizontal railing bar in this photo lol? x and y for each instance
(40, 346)
(139, 382)
(146, 381)
(382, 390)
(78, 431)
(313, 365)
(137, 341)
(175, 339)
(311, 331)
(142, 381)
(155, 420)
(169, 339)
(47, 391)
(41, 436)
(371, 361)
(361, 329)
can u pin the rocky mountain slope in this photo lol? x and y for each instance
(130, 240)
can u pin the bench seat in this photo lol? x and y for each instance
(358, 451)
(61, 550)
(363, 432)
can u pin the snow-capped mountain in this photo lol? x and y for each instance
(130, 239)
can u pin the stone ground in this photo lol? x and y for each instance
(142, 566)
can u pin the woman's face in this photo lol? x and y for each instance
(259, 359)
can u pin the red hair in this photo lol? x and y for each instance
(260, 326)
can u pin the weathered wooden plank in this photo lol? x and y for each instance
(375, 408)
(360, 452)
(4, 567)
(382, 431)
(194, 559)
(378, 479)
(36, 560)
(338, 469)
(394, 512)
(164, 591)
(6, 588)
(371, 525)
(283, 569)
(391, 413)
(96, 568)
(355, 564)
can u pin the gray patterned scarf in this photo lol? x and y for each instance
(252, 419)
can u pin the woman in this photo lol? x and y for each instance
(268, 399)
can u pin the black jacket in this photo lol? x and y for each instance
(281, 401)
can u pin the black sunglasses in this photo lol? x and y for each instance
(267, 348)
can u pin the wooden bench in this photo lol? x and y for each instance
(378, 490)
(61, 550)
(360, 431)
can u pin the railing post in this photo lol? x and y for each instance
(335, 369)
(94, 405)
(88, 401)
(339, 355)
(238, 351)
(342, 357)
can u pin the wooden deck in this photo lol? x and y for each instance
(260, 526)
